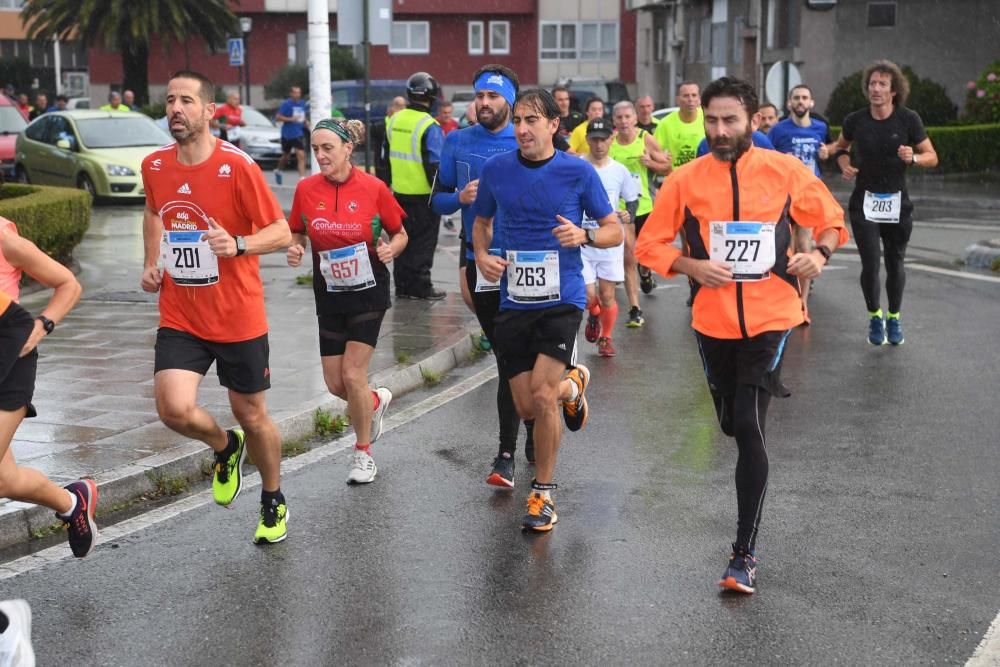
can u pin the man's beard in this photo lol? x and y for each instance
(494, 121)
(800, 114)
(187, 134)
(737, 146)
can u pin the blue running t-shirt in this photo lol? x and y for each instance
(802, 142)
(524, 200)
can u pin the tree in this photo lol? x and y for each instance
(927, 98)
(129, 26)
(342, 66)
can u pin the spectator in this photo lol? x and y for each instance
(444, 118)
(61, 102)
(41, 106)
(23, 106)
(128, 99)
(228, 118)
(115, 102)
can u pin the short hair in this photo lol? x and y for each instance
(445, 103)
(801, 85)
(768, 104)
(644, 97)
(503, 70)
(560, 89)
(207, 91)
(624, 104)
(688, 82)
(62, 98)
(113, 94)
(900, 84)
(729, 86)
(541, 100)
(591, 101)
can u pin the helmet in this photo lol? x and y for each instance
(422, 87)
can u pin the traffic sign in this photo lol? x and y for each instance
(235, 47)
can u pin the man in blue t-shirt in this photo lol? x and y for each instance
(527, 234)
(808, 139)
(462, 158)
(293, 114)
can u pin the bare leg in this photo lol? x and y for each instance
(26, 484)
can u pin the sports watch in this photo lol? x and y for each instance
(591, 236)
(241, 246)
(826, 252)
(47, 324)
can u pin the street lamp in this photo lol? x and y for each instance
(246, 24)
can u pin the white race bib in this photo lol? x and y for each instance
(748, 247)
(483, 285)
(533, 276)
(347, 269)
(188, 259)
(884, 207)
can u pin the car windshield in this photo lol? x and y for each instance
(379, 95)
(254, 118)
(119, 132)
(11, 120)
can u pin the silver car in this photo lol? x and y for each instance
(260, 138)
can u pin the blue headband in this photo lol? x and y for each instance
(498, 83)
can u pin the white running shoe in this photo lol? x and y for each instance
(362, 469)
(15, 642)
(384, 398)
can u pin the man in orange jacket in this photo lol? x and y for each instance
(736, 206)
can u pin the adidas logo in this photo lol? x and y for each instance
(184, 189)
(561, 346)
(225, 170)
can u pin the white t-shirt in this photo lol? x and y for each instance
(619, 184)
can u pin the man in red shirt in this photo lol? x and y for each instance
(209, 213)
(444, 118)
(228, 118)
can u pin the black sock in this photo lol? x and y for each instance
(231, 444)
(272, 497)
(529, 430)
(4, 622)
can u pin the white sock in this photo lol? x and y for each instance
(72, 508)
(574, 391)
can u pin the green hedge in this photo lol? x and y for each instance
(962, 148)
(54, 219)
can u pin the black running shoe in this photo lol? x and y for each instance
(503, 472)
(646, 281)
(741, 573)
(80, 523)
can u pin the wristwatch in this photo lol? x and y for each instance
(826, 252)
(47, 324)
(241, 245)
(591, 236)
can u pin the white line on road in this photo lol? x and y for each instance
(122, 529)
(935, 269)
(987, 654)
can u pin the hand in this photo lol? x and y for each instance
(624, 217)
(847, 171)
(219, 240)
(823, 152)
(294, 254)
(905, 153)
(491, 266)
(712, 274)
(569, 235)
(468, 193)
(806, 264)
(36, 335)
(645, 160)
(384, 251)
(151, 279)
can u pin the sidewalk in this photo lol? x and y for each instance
(94, 392)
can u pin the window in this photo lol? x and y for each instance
(579, 41)
(500, 37)
(881, 14)
(660, 50)
(410, 37)
(11, 5)
(475, 37)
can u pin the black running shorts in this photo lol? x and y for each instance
(17, 374)
(754, 361)
(521, 335)
(298, 143)
(336, 330)
(242, 366)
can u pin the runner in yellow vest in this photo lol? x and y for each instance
(642, 156)
(680, 132)
(578, 138)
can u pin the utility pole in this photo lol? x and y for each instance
(318, 18)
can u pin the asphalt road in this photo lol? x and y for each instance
(878, 544)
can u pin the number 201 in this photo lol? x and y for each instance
(186, 258)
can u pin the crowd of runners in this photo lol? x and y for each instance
(558, 209)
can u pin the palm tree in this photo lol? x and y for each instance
(129, 26)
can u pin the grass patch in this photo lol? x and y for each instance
(995, 265)
(326, 423)
(431, 378)
(402, 358)
(167, 485)
(39, 533)
(304, 279)
(292, 448)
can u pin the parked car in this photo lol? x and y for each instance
(97, 151)
(78, 103)
(12, 123)
(260, 138)
(349, 96)
(660, 114)
(581, 90)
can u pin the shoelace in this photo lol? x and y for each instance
(536, 503)
(222, 468)
(269, 514)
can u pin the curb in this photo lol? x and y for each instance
(189, 460)
(982, 255)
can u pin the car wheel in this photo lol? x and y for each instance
(21, 175)
(87, 185)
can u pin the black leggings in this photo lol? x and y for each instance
(487, 305)
(894, 238)
(742, 415)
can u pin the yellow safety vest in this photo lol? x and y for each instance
(406, 130)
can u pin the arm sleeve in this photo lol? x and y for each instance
(761, 140)
(445, 200)
(296, 223)
(389, 210)
(813, 206)
(703, 148)
(431, 144)
(917, 131)
(654, 247)
(847, 129)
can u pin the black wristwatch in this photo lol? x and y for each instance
(241, 246)
(591, 236)
(47, 324)
(826, 252)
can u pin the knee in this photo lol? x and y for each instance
(543, 399)
(336, 386)
(252, 416)
(175, 415)
(354, 377)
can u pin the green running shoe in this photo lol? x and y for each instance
(273, 525)
(227, 481)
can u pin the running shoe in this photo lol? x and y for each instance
(277, 177)
(449, 224)
(605, 347)
(273, 524)
(503, 472)
(384, 398)
(80, 523)
(635, 318)
(541, 515)
(484, 343)
(363, 469)
(876, 330)
(593, 330)
(227, 481)
(741, 573)
(894, 331)
(646, 281)
(575, 412)
(15, 641)
(529, 442)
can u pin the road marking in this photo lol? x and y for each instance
(122, 529)
(987, 654)
(944, 223)
(935, 269)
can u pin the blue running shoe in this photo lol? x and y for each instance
(741, 573)
(894, 331)
(876, 331)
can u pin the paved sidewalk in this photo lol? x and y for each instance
(94, 393)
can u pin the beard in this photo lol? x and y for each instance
(492, 121)
(800, 114)
(731, 149)
(188, 133)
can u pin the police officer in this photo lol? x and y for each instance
(414, 141)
